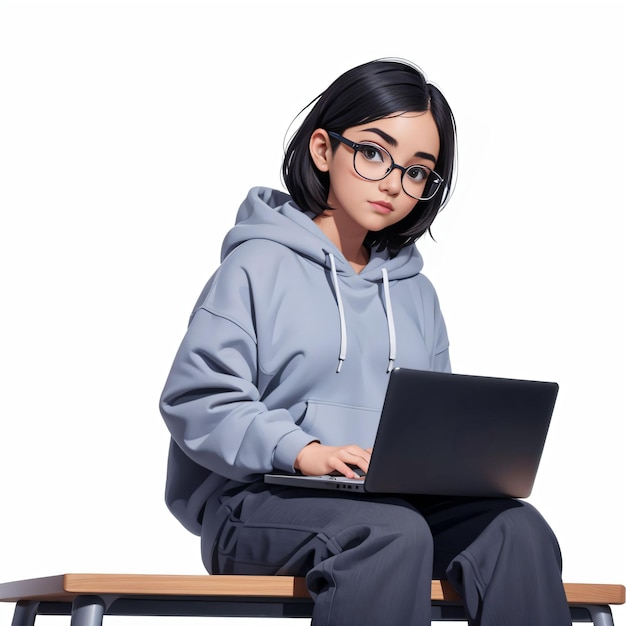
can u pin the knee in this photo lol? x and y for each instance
(525, 526)
(526, 519)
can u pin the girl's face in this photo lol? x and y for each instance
(366, 205)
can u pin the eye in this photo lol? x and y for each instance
(418, 173)
(372, 153)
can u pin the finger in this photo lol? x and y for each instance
(359, 457)
(348, 470)
(359, 462)
(345, 462)
(352, 465)
(356, 450)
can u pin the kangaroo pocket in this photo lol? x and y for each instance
(341, 424)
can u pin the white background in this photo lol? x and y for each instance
(129, 134)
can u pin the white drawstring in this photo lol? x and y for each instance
(390, 325)
(343, 347)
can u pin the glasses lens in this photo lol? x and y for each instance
(371, 162)
(421, 182)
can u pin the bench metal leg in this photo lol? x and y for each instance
(599, 615)
(25, 613)
(87, 611)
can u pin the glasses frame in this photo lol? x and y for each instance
(356, 146)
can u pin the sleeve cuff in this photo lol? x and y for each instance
(288, 449)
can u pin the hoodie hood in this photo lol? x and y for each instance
(273, 215)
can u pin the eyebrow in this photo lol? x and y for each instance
(393, 142)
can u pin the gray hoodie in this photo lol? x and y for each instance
(287, 344)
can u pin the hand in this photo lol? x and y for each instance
(317, 459)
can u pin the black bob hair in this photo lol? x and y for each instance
(369, 92)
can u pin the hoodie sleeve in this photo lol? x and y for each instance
(213, 409)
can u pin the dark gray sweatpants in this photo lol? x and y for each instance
(370, 560)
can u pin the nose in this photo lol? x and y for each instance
(392, 183)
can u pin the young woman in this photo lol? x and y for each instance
(285, 364)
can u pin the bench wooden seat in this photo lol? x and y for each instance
(88, 597)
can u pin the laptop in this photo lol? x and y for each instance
(453, 435)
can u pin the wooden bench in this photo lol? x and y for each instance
(88, 597)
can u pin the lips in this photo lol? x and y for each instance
(382, 207)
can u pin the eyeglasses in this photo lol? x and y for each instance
(373, 162)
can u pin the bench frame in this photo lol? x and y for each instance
(87, 598)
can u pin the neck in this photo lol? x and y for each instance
(349, 242)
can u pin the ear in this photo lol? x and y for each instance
(320, 149)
